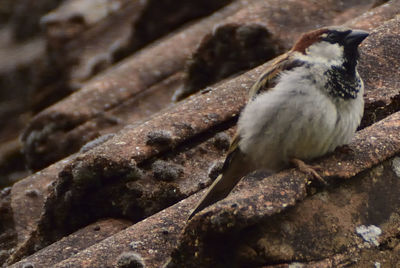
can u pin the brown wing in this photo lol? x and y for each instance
(232, 149)
(268, 79)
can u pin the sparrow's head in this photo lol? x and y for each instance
(332, 45)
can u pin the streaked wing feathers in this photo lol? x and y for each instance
(268, 79)
(232, 149)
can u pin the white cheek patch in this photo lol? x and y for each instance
(326, 53)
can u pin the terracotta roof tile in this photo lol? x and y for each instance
(153, 156)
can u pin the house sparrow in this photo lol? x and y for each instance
(307, 103)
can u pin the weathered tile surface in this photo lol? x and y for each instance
(152, 155)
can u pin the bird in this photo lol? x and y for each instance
(307, 102)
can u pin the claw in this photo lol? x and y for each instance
(308, 169)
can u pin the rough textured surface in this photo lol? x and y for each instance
(379, 57)
(154, 246)
(152, 239)
(147, 188)
(68, 246)
(28, 197)
(142, 157)
(122, 82)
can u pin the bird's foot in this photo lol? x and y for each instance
(308, 169)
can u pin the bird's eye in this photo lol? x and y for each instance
(332, 37)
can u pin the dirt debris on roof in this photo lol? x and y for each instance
(145, 158)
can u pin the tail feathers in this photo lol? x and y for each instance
(222, 186)
(217, 191)
(235, 167)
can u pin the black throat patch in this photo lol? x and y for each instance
(342, 84)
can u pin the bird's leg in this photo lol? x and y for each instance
(308, 169)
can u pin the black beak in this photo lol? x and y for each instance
(355, 37)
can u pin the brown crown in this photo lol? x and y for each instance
(308, 39)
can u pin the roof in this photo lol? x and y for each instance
(118, 164)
